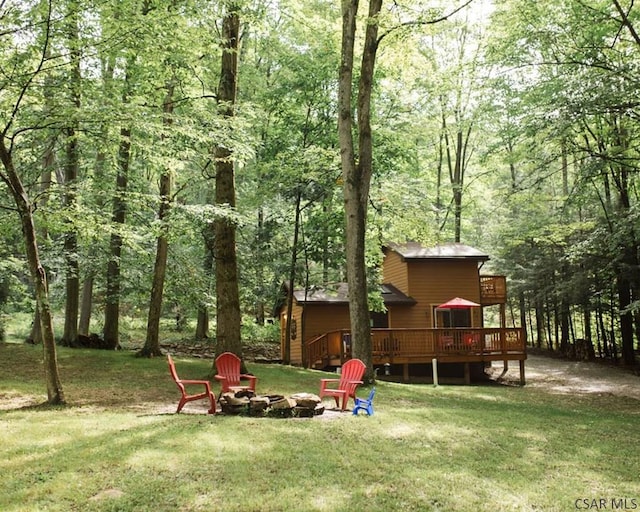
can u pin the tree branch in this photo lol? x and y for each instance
(423, 22)
(626, 22)
(27, 84)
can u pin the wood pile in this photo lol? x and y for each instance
(301, 405)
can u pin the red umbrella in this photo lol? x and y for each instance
(458, 303)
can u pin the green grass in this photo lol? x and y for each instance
(118, 446)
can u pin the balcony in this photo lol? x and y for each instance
(493, 290)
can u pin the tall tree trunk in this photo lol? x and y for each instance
(357, 175)
(86, 302)
(84, 323)
(539, 313)
(457, 185)
(286, 356)
(152, 342)
(226, 271)
(55, 393)
(260, 281)
(626, 269)
(440, 223)
(48, 163)
(112, 306)
(72, 278)
(523, 316)
(202, 323)
(588, 330)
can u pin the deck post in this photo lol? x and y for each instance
(405, 372)
(467, 374)
(522, 379)
(434, 366)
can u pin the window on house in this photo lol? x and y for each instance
(446, 318)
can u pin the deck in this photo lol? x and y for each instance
(493, 290)
(420, 346)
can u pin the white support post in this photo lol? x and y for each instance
(434, 365)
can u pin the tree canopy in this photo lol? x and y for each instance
(508, 125)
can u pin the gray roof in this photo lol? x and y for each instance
(414, 250)
(340, 295)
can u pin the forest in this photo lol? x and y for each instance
(182, 159)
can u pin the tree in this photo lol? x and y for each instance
(579, 116)
(25, 67)
(357, 161)
(226, 266)
(72, 163)
(357, 168)
(152, 342)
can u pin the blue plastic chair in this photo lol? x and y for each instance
(365, 405)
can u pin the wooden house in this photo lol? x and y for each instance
(420, 324)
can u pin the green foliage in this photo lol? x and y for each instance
(547, 91)
(254, 332)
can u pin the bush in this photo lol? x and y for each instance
(251, 331)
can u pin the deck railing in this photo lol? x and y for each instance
(420, 345)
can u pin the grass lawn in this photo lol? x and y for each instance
(118, 446)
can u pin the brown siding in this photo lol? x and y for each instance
(317, 320)
(432, 282)
(394, 271)
(321, 319)
(296, 347)
(400, 316)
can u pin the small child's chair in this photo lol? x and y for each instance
(365, 405)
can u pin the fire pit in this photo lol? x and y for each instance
(301, 405)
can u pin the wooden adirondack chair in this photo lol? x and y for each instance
(182, 383)
(350, 379)
(228, 367)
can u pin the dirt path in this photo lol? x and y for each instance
(574, 377)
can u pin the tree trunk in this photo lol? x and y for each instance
(226, 271)
(357, 176)
(152, 342)
(112, 306)
(286, 356)
(523, 308)
(55, 393)
(457, 184)
(48, 163)
(563, 322)
(85, 306)
(208, 235)
(72, 279)
(626, 320)
(588, 330)
(540, 336)
(260, 284)
(202, 324)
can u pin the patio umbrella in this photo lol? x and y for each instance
(458, 303)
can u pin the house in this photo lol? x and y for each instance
(420, 322)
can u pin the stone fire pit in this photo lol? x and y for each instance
(301, 405)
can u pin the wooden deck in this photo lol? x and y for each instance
(493, 290)
(420, 346)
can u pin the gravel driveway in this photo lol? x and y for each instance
(575, 377)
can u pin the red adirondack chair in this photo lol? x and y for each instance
(182, 383)
(228, 367)
(350, 379)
